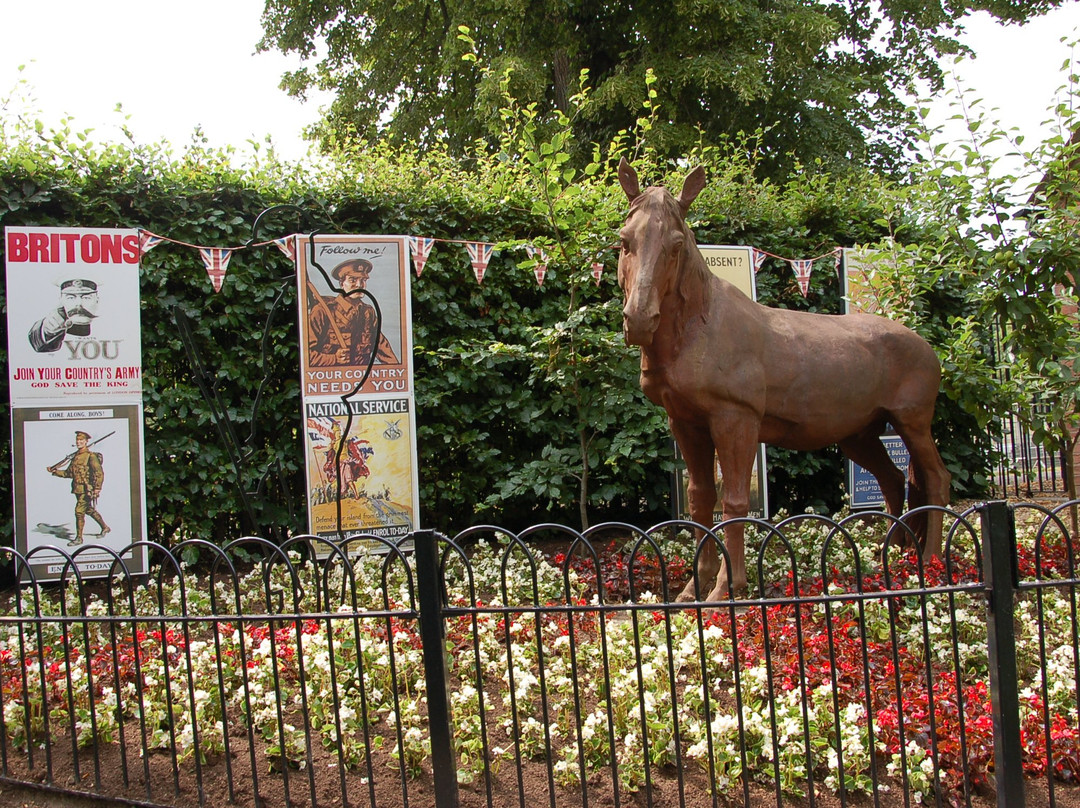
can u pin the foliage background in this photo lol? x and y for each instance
(528, 403)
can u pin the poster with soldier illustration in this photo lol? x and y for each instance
(355, 307)
(78, 486)
(356, 375)
(75, 383)
(361, 469)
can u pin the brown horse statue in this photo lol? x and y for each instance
(732, 373)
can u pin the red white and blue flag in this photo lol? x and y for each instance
(540, 270)
(216, 260)
(288, 246)
(802, 267)
(759, 258)
(480, 255)
(420, 249)
(147, 241)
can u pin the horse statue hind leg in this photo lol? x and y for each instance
(928, 479)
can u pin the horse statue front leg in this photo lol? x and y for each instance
(736, 440)
(700, 456)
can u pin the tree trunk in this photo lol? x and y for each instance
(560, 68)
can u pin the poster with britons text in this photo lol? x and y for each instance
(75, 381)
(73, 314)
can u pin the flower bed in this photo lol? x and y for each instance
(843, 681)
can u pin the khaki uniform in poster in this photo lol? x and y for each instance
(344, 330)
(87, 476)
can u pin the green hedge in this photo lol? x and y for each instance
(515, 384)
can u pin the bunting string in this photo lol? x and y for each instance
(216, 259)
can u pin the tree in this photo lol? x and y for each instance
(820, 80)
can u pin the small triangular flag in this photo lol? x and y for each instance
(287, 245)
(759, 258)
(597, 271)
(480, 255)
(802, 269)
(216, 260)
(147, 241)
(540, 270)
(420, 249)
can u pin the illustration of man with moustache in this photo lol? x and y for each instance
(73, 317)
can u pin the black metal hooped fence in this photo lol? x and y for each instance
(555, 668)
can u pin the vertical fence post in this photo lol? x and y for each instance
(1000, 576)
(433, 639)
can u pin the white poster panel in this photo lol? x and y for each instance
(73, 314)
(735, 265)
(79, 484)
(75, 380)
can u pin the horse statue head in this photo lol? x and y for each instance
(654, 240)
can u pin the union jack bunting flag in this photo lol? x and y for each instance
(147, 241)
(597, 271)
(480, 255)
(420, 249)
(759, 258)
(288, 246)
(802, 269)
(540, 270)
(216, 260)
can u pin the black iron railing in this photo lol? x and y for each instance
(550, 667)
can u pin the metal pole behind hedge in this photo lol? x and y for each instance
(436, 671)
(1001, 578)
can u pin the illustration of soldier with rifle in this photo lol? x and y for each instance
(87, 475)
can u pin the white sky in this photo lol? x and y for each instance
(174, 66)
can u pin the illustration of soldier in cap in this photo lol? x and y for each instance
(343, 330)
(87, 476)
(78, 308)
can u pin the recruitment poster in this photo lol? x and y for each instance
(363, 448)
(75, 382)
(357, 386)
(73, 314)
(859, 296)
(78, 483)
(736, 266)
(354, 293)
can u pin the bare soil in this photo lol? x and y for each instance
(102, 784)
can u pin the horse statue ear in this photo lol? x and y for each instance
(628, 180)
(692, 186)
